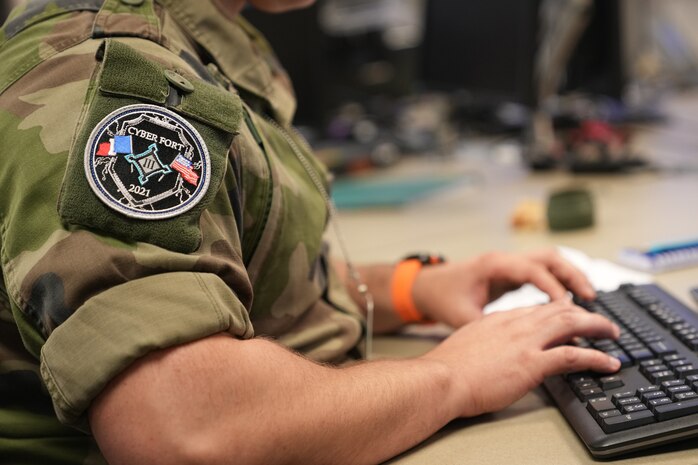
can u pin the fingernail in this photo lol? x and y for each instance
(613, 363)
(616, 330)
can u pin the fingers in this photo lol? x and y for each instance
(565, 272)
(561, 324)
(568, 359)
(522, 270)
(544, 311)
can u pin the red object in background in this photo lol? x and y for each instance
(597, 131)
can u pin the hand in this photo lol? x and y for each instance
(494, 361)
(455, 293)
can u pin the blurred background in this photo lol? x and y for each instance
(547, 84)
(563, 80)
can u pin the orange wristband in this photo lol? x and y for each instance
(402, 283)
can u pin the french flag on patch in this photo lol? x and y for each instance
(116, 145)
(184, 167)
(106, 148)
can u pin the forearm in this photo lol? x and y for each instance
(378, 279)
(255, 402)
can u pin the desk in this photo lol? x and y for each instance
(640, 208)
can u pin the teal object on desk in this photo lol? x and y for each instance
(386, 192)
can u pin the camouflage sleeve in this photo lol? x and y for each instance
(119, 235)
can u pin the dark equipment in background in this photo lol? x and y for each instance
(347, 77)
(501, 63)
(302, 48)
(330, 70)
(488, 51)
(484, 49)
(509, 62)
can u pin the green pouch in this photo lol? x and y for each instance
(150, 152)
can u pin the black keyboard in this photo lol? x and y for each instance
(653, 399)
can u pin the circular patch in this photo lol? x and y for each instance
(147, 162)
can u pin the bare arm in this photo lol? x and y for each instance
(225, 401)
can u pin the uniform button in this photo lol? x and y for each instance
(178, 81)
(132, 2)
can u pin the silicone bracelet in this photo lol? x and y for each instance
(401, 289)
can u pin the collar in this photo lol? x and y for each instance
(240, 51)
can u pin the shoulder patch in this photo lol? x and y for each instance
(142, 168)
(147, 162)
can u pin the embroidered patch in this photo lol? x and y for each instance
(147, 162)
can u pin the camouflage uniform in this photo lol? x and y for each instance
(87, 289)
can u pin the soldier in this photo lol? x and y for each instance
(152, 184)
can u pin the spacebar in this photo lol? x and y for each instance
(677, 409)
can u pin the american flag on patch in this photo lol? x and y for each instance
(183, 166)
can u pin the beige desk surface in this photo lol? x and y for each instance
(473, 218)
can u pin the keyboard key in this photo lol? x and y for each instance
(684, 396)
(584, 385)
(625, 361)
(671, 320)
(654, 369)
(629, 347)
(640, 354)
(650, 337)
(605, 345)
(574, 378)
(660, 376)
(676, 409)
(661, 348)
(675, 328)
(621, 395)
(608, 414)
(599, 404)
(679, 363)
(654, 403)
(627, 401)
(629, 420)
(651, 363)
(686, 370)
(647, 396)
(686, 332)
(672, 391)
(674, 382)
(610, 382)
(586, 394)
(633, 408)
